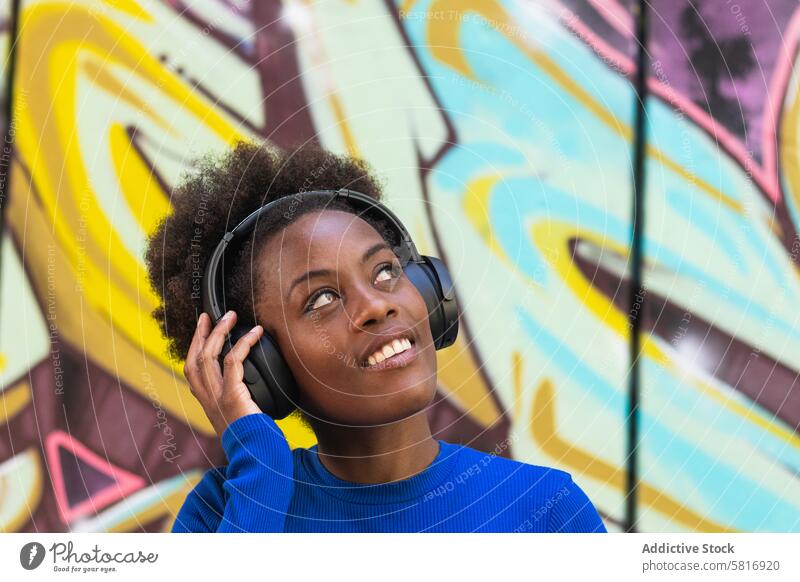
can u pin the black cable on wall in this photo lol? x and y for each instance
(7, 147)
(636, 288)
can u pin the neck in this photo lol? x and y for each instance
(378, 454)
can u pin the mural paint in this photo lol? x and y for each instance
(720, 405)
(721, 358)
(504, 130)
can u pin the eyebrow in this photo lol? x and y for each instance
(325, 272)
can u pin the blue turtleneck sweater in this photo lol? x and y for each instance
(267, 487)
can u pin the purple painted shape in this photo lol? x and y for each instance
(703, 65)
(81, 480)
(612, 33)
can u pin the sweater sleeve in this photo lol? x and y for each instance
(251, 494)
(202, 510)
(571, 511)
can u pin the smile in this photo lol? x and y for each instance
(400, 358)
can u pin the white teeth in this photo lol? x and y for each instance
(389, 350)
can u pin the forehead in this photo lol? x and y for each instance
(320, 238)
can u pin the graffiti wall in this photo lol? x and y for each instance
(721, 398)
(506, 134)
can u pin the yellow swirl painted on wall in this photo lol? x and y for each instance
(547, 234)
(103, 300)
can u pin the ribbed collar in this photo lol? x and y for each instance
(396, 491)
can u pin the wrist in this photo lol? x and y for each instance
(226, 418)
(238, 430)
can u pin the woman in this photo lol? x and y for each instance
(356, 338)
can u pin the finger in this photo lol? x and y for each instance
(234, 359)
(216, 339)
(191, 367)
(209, 355)
(246, 343)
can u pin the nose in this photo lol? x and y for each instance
(370, 306)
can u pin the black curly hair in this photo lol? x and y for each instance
(212, 198)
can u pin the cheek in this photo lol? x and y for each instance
(312, 354)
(416, 304)
(318, 361)
(420, 316)
(423, 329)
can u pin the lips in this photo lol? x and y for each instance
(383, 337)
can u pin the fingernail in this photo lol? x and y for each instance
(255, 329)
(199, 319)
(227, 315)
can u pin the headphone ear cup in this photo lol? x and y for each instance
(273, 382)
(432, 279)
(266, 374)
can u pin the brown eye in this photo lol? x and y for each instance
(394, 270)
(312, 302)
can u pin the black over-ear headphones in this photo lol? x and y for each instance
(266, 372)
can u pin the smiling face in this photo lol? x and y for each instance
(334, 292)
